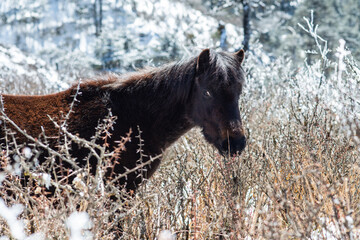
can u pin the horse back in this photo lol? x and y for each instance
(35, 114)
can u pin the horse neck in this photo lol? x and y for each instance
(159, 106)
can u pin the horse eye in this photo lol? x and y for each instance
(207, 94)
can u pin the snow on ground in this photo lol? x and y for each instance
(11, 214)
(21, 73)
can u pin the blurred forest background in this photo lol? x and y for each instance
(120, 35)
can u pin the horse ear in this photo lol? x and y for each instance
(203, 61)
(240, 55)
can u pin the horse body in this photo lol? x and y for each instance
(163, 103)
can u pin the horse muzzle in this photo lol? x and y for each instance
(232, 145)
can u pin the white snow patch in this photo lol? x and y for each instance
(16, 65)
(11, 214)
(79, 223)
(166, 235)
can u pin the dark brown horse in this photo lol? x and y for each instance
(164, 103)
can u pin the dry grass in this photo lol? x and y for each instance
(297, 179)
(293, 181)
